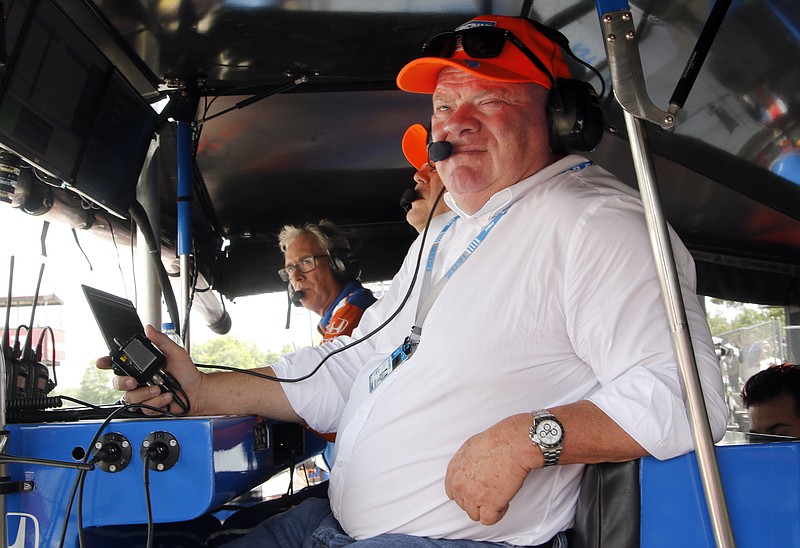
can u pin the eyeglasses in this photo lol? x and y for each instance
(480, 43)
(304, 265)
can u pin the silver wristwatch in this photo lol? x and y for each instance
(548, 433)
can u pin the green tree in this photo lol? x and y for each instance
(233, 352)
(95, 387)
(745, 316)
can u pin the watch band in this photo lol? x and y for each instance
(550, 451)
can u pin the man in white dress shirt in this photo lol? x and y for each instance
(534, 340)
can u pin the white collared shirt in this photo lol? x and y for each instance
(560, 303)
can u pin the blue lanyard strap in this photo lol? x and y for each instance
(427, 296)
(473, 245)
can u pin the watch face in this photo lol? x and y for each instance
(549, 432)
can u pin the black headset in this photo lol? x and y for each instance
(573, 109)
(343, 262)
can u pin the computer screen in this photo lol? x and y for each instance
(116, 317)
(65, 109)
(112, 160)
(50, 92)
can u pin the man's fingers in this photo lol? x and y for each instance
(103, 363)
(489, 515)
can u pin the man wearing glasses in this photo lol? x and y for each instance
(531, 340)
(322, 275)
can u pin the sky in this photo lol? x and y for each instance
(259, 319)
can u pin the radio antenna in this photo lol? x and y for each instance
(27, 352)
(6, 333)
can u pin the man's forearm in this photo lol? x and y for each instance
(234, 393)
(591, 436)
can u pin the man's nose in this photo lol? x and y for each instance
(423, 176)
(460, 120)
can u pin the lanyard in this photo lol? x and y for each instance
(427, 295)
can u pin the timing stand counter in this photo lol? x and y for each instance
(195, 465)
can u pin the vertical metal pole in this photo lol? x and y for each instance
(148, 301)
(185, 223)
(681, 338)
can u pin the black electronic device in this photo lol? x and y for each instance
(439, 150)
(50, 91)
(139, 358)
(407, 199)
(15, 12)
(343, 261)
(67, 111)
(574, 117)
(295, 296)
(132, 353)
(116, 317)
(115, 150)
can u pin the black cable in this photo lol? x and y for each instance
(69, 508)
(116, 250)
(290, 490)
(79, 513)
(47, 402)
(80, 247)
(11, 459)
(40, 347)
(150, 525)
(357, 341)
(99, 431)
(139, 216)
(80, 402)
(15, 351)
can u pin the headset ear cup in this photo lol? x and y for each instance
(344, 264)
(574, 117)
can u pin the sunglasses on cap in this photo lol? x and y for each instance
(480, 43)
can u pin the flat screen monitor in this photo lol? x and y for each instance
(112, 160)
(15, 14)
(50, 92)
(65, 109)
(116, 317)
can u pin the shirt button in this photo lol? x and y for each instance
(362, 413)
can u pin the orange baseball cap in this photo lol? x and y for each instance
(512, 65)
(415, 145)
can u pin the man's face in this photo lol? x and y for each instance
(776, 416)
(319, 285)
(498, 131)
(428, 187)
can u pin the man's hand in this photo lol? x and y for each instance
(179, 365)
(488, 470)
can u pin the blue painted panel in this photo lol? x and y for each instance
(762, 489)
(217, 462)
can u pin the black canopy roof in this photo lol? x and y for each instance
(330, 147)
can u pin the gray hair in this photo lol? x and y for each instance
(328, 235)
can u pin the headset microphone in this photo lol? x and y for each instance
(439, 150)
(408, 197)
(297, 297)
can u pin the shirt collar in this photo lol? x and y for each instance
(507, 196)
